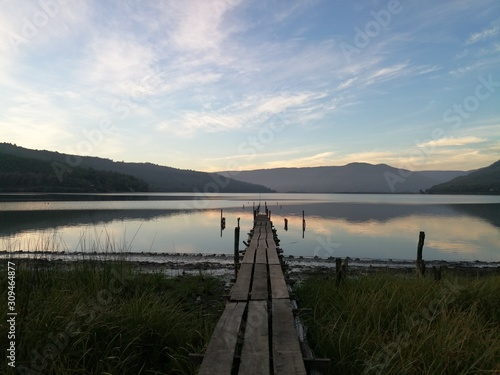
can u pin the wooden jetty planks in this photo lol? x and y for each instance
(272, 256)
(241, 288)
(249, 255)
(279, 289)
(255, 351)
(259, 285)
(220, 352)
(261, 255)
(287, 356)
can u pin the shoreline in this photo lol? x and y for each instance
(222, 265)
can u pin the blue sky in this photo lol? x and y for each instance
(235, 85)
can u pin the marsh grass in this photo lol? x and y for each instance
(389, 324)
(100, 317)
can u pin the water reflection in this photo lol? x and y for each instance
(375, 229)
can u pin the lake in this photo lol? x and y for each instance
(458, 228)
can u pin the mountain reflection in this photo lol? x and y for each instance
(373, 230)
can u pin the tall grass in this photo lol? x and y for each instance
(101, 317)
(389, 324)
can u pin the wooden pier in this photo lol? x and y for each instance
(256, 333)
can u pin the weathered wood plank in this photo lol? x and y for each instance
(287, 357)
(254, 241)
(261, 256)
(259, 286)
(220, 352)
(272, 256)
(241, 288)
(249, 255)
(279, 288)
(270, 238)
(255, 351)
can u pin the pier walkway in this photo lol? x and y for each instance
(256, 333)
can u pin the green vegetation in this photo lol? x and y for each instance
(388, 324)
(97, 317)
(483, 181)
(19, 174)
(157, 177)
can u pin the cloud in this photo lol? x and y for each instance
(37, 120)
(251, 112)
(486, 33)
(452, 141)
(198, 25)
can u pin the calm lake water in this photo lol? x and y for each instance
(355, 225)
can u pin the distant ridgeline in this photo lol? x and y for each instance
(49, 171)
(482, 181)
(18, 174)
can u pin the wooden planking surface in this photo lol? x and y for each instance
(287, 356)
(279, 289)
(272, 256)
(249, 255)
(241, 287)
(259, 285)
(261, 255)
(260, 268)
(218, 358)
(255, 352)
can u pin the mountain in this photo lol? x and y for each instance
(159, 178)
(482, 181)
(351, 178)
(19, 174)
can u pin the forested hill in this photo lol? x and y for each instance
(159, 178)
(19, 174)
(482, 181)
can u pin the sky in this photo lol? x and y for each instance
(216, 85)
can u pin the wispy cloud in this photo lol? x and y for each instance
(452, 141)
(486, 33)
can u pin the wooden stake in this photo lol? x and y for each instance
(437, 272)
(236, 250)
(338, 270)
(420, 261)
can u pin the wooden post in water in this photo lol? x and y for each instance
(303, 223)
(420, 261)
(236, 249)
(286, 224)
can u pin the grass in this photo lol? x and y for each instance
(390, 324)
(101, 317)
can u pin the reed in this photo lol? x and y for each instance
(100, 317)
(390, 324)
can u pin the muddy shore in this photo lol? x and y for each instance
(222, 265)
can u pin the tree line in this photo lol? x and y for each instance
(19, 174)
